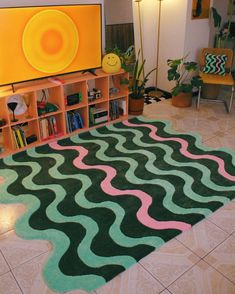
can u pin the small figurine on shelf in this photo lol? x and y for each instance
(17, 105)
(94, 94)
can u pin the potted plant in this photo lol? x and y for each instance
(136, 87)
(183, 73)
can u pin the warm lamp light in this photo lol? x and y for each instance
(158, 42)
(156, 92)
(141, 36)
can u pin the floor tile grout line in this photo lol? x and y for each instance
(17, 282)
(6, 262)
(219, 272)
(216, 224)
(7, 232)
(29, 260)
(184, 272)
(152, 275)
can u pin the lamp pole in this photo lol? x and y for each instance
(141, 36)
(156, 92)
(158, 40)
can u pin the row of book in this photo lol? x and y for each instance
(74, 121)
(19, 137)
(48, 127)
(117, 108)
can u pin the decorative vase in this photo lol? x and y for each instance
(136, 106)
(182, 100)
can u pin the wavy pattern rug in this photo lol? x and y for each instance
(110, 196)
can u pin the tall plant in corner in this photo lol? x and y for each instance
(136, 85)
(138, 81)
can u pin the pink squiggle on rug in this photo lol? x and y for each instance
(183, 149)
(146, 200)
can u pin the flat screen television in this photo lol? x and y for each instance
(45, 41)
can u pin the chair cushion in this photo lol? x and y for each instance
(215, 64)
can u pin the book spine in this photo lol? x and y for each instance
(20, 140)
(54, 125)
(15, 138)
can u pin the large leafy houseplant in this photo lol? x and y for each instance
(183, 73)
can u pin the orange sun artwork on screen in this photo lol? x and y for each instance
(200, 9)
(46, 41)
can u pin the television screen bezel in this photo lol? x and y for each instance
(69, 72)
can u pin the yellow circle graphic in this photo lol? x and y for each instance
(50, 41)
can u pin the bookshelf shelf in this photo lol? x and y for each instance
(83, 101)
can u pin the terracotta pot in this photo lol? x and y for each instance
(182, 100)
(136, 106)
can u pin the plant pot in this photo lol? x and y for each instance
(182, 100)
(210, 91)
(136, 106)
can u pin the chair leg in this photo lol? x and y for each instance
(199, 97)
(231, 100)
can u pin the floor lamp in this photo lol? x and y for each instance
(156, 92)
(140, 32)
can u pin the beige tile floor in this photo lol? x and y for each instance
(199, 261)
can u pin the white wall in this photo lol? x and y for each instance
(148, 12)
(197, 34)
(179, 35)
(117, 12)
(172, 37)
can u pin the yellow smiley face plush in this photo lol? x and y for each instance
(111, 63)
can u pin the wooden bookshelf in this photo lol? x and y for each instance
(88, 112)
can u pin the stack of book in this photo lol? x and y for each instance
(97, 115)
(117, 108)
(48, 127)
(74, 121)
(19, 137)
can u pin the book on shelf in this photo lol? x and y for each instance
(48, 127)
(74, 121)
(117, 108)
(19, 136)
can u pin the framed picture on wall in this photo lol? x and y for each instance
(200, 9)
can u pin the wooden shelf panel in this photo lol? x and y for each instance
(30, 123)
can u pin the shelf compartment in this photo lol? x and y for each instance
(76, 120)
(6, 144)
(51, 127)
(23, 135)
(75, 92)
(118, 109)
(30, 102)
(117, 87)
(99, 84)
(98, 114)
(4, 110)
(51, 96)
